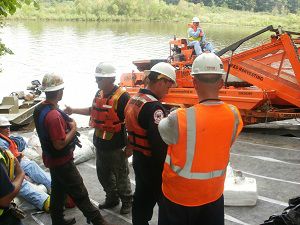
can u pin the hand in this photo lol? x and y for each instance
(18, 169)
(21, 154)
(73, 125)
(128, 152)
(68, 110)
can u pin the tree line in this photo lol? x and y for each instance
(280, 6)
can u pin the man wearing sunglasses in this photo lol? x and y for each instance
(199, 140)
(107, 117)
(142, 115)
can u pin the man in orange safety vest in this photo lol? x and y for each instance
(199, 140)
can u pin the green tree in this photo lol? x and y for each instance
(241, 4)
(194, 1)
(208, 2)
(9, 7)
(265, 6)
(173, 2)
(219, 2)
(293, 5)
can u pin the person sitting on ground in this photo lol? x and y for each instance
(197, 38)
(33, 172)
(9, 188)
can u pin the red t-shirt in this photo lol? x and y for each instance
(57, 129)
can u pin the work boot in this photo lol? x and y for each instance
(99, 220)
(107, 204)
(126, 208)
(64, 221)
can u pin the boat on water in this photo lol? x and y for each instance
(18, 107)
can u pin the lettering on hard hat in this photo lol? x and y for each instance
(212, 68)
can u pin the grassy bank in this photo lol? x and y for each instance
(153, 10)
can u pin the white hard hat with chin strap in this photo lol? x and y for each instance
(105, 70)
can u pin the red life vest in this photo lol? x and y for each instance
(137, 136)
(12, 145)
(104, 115)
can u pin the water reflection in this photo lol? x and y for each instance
(74, 49)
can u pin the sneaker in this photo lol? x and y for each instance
(99, 220)
(46, 206)
(108, 204)
(70, 221)
(126, 208)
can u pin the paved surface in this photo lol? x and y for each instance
(274, 161)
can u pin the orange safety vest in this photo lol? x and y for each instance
(137, 136)
(191, 38)
(104, 115)
(12, 145)
(195, 167)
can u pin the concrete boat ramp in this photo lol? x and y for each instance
(273, 160)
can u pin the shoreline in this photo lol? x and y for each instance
(182, 12)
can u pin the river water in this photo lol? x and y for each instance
(74, 49)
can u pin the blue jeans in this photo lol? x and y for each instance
(39, 176)
(197, 46)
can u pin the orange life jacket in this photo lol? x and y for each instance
(12, 145)
(137, 136)
(195, 167)
(104, 115)
(190, 25)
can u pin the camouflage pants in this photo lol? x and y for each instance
(113, 174)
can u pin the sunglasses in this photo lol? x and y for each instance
(165, 78)
(4, 127)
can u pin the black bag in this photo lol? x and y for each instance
(290, 215)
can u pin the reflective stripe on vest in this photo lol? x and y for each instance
(104, 115)
(191, 141)
(192, 38)
(8, 160)
(195, 167)
(137, 136)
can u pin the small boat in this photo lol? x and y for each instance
(18, 107)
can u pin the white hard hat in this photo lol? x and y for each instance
(105, 70)
(195, 20)
(52, 82)
(207, 63)
(4, 121)
(165, 69)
